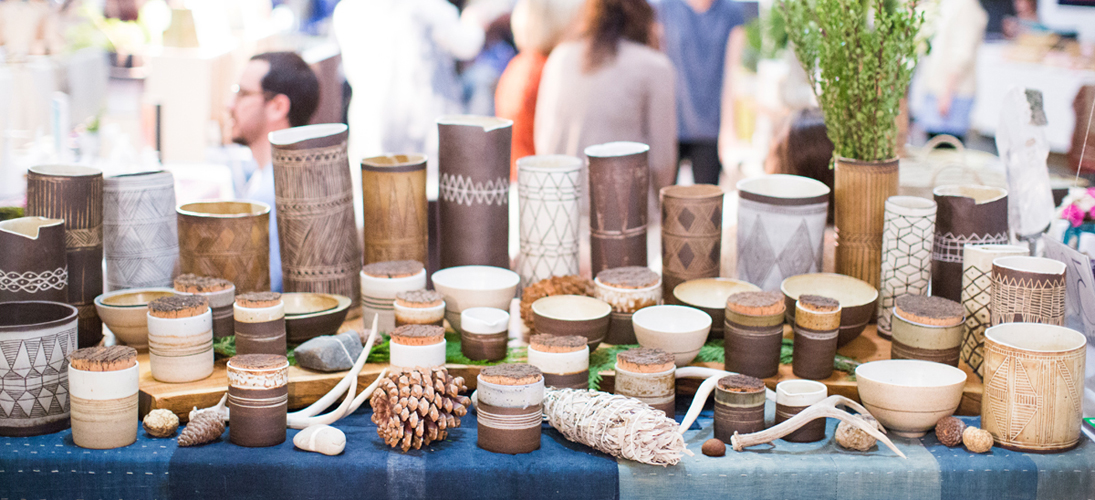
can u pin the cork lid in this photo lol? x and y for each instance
(393, 269)
(419, 298)
(511, 374)
(418, 335)
(103, 358)
(934, 311)
(645, 360)
(178, 306)
(628, 277)
(741, 383)
(258, 362)
(818, 313)
(756, 303)
(192, 283)
(255, 300)
(544, 342)
(817, 303)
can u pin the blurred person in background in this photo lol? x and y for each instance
(277, 90)
(950, 71)
(704, 39)
(481, 75)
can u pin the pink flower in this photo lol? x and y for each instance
(1074, 215)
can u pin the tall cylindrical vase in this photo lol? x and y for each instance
(1028, 290)
(860, 192)
(315, 210)
(473, 160)
(975, 215)
(781, 228)
(691, 234)
(394, 193)
(977, 297)
(619, 178)
(228, 240)
(75, 194)
(549, 189)
(33, 265)
(140, 230)
(907, 235)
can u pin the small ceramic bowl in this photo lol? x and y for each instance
(678, 330)
(309, 315)
(475, 286)
(572, 315)
(709, 295)
(857, 299)
(908, 396)
(125, 313)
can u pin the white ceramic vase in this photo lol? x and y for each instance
(140, 230)
(781, 228)
(907, 234)
(549, 190)
(977, 297)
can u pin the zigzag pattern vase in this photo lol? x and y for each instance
(619, 178)
(228, 240)
(907, 234)
(975, 215)
(140, 230)
(691, 234)
(549, 190)
(36, 339)
(781, 228)
(394, 193)
(977, 297)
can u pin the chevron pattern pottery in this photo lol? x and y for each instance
(474, 161)
(549, 190)
(140, 230)
(619, 178)
(691, 234)
(977, 297)
(781, 228)
(394, 190)
(75, 194)
(315, 210)
(967, 215)
(1028, 290)
(860, 192)
(36, 339)
(227, 239)
(33, 265)
(907, 235)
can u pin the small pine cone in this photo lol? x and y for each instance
(205, 428)
(949, 431)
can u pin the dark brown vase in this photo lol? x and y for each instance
(975, 215)
(619, 178)
(32, 260)
(394, 193)
(860, 192)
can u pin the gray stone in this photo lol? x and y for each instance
(329, 353)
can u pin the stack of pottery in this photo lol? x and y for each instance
(260, 323)
(648, 375)
(394, 193)
(140, 230)
(228, 239)
(691, 234)
(509, 409)
(103, 388)
(927, 328)
(781, 228)
(125, 312)
(45, 333)
(966, 215)
(977, 297)
(908, 232)
(475, 286)
(626, 289)
(33, 265)
(381, 281)
(258, 399)
(180, 338)
(484, 332)
(549, 189)
(619, 178)
(221, 295)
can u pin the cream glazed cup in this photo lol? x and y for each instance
(104, 407)
(181, 349)
(378, 295)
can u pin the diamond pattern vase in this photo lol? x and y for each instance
(394, 193)
(860, 191)
(976, 215)
(549, 190)
(781, 228)
(32, 263)
(619, 178)
(140, 230)
(36, 338)
(691, 234)
(977, 297)
(228, 240)
(907, 234)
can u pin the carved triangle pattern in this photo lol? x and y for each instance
(238, 251)
(976, 300)
(906, 261)
(549, 217)
(140, 233)
(798, 253)
(948, 246)
(34, 376)
(1027, 300)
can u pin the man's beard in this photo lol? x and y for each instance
(240, 140)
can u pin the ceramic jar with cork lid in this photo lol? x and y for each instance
(649, 375)
(753, 332)
(817, 326)
(102, 384)
(739, 406)
(927, 328)
(381, 281)
(626, 289)
(221, 294)
(417, 345)
(260, 323)
(258, 399)
(180, 338)
(419, 307)
(564, 360)
(509, 408)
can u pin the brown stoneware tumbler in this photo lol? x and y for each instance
(258, 399)
(619, 178)
(817, 325)
(691, 234)
(394, 193)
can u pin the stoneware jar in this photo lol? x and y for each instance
(572, 315)
(484, 333)
(227, 239)
(974, 215)
(753, 333)
(817, 323)
(619, 179)
(1028, 290)
(691, 234)
(125, 312)
(419, 307)
(46, 333)
(221, 295)
(927, 328)
(258, 399)
(394, 192)
(739, 406)
(563, 360)
(418, 345)
(260, 323)
(140, 230)
(977, 297)
(781, 227)
(378, 288)
(33, 265)
(104, 397)
(709, 295)
(549, 189)
(509, 408)
(793, 396)
(648, 375)
(626, 296)
(180, 339)
(907, 234)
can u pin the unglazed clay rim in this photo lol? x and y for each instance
(912, 205)
(70, 315)
(884, 368)
(782, 187)
(502, 276)
(616, 149)
(131, 175)
(641, 317)
(976, 192)
(100, 300)
(720, 284)
(994, 334)
(65, 171)
(303, 133)
(488, 123)
(394, 161)
(845, 302)
(343, 304)
(541, 303)
(995, 248)
(188, 209)
(549, 164)
(42, 222)
(693, 192)
(657, 285)
(1032, 265)
(817, 391)
(377, 284)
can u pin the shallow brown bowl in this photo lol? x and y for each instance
(572, 315)
(857, 299)
(310, 315)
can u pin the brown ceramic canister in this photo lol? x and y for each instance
(753, 333)
(473, 160)
(260, 323)
(649, 375)
(228, 239)
(509, 409)
(739, 406)
(691, 234)
(793, 396)
(75, 194)
(1028, 290)
(394, 193)
(860, 191)
(258, 399)
(626, 289)
(572, 315)
(563, 359)
(221, 295)
(33, 265)
(975, 215)
(927, 328)
(103, 391)
(619, 178)
(817, 325)
(43, 331)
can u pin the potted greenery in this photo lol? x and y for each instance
(859, 55)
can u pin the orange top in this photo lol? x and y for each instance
(515, 99)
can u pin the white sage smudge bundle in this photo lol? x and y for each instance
(618, 425)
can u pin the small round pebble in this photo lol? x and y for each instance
(977, 440)
(713, 448)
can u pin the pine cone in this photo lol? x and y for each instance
(206, 427)
(413, 408)
(555, 285)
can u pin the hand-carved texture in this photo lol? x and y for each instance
(35, 371)
(1032, 400)
(1027, 300)
(691, 234)
(140, 230)
(233, 248)
(906, 260)
(776, 242)
(549, 224)
(396, 217)
(860, 193)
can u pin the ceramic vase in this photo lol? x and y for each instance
(781, 228)
(473, 160)
(509, 416)
(75, 194)
(260, 330)
(908, 230)
(549, 190)
(1028, 290)
(180, 349)
(793, 396)
(104, 407)
(140, 230)
(655, 389)
(691, 234)
(619, 178)
(860, 192)
(315, 210)
(228, 240)
(378, 296)
(394, 193)
(32, 263)
(39, 336)
(258, 399)
(975, 215)
(977, 297)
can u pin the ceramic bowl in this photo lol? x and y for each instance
(125, 313)
(709, 295)
(678, 330)
(908, 396)
(309, 315)
(475, 286)
(857, 299)
(572, 315)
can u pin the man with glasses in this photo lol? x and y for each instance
(276, 91)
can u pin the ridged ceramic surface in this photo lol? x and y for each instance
(140, 230)
(228, 240)
(394, 193)
(860, 193)
(36, 339)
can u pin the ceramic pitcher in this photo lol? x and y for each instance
(976, 215)
(32, 262)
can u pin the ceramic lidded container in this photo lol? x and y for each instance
(227, 239)
(1028, 290)
(908, 231)
(221, 294)
(908, 396)
(140, 230)
(626, 289)
(739, 406)
(260, 323)
(180, 338)
(781, 228)
(549, 189)
(33, 265)
(509, 409)
(927, 328)
(709, 295)
(484, 333)
(564, 315)
(46, 332)
(475, 286)
(418, 345)
(678, 330)
(394, 193)
(125, 312)
(648, 375)
(419, 307)
(857, 299)
(793, 396)
(977, 297)
(564, 360)
(258, 399)
(975, 215)
(753, 333)
(619, 179)
(103, 388)
(691, 233)
(817, 323)
(381, 281)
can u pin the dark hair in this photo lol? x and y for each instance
(806, 149)
(290, 75)
(605, 22)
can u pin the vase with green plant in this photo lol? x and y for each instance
(859, 56)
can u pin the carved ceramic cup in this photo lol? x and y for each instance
(45, 333)
(977, 297)
(227, 239)
(549, 189)
(691, 234)
(781, 227)
(394, 190)
(1028, 290)
(140, 230)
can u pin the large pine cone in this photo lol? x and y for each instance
(206, 426)
(415, 407)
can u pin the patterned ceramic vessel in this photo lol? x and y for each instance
(1028, 290)
(140, 230)
(619, 178)
(860, 191)
(907, 234)
(624, 302)
(394, 193)
(33, 265)
(975, 215)
(977, 297)
(549, 189)
(227, 239)
(38, 337)
(258, 399)
(857, 299)
(914, 340)
(781, 228)
(691, 234)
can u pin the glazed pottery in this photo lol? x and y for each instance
(977, 297)
(227, 239)
(562, 315)
(738, 412)
(394, 193)
(39, 336)
(752, 343)
(562, 370)
(908, 230)
(1028, 290)
(709, 295)
(310, 315)
(679, 330)
(258, 399)
(180, 349)
(975, 215)
(475, 286)
(125, 312)
(908, 396)
(781, 228)
(104, 407)
(75, 194)
(549, 188)
(220, 302)
(857, 299)
(484, 332)
(404, 315)
(260, 330)
(1033, 386)
(793, 396)
(914, 340)
(860, 191)
(655, 389)
(140, 230)
(619, 178)
(815, 342)
(473, 160)
(33, 265)
(509, 416)
(378, 296)
(410, 356)
(691, 234)
(624, 302)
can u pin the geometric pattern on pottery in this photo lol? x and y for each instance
(140, 231)
(977, 302)
(549, 215)
(779, 242)
(691, 238)
(906, 261)
(1019, 300)
(33, 282)
(1016, 397)
(34, 375)
(84, 238)
(948, 247)
(231, 253)
(463, 191)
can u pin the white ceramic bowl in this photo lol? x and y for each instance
(908, 396)
(125, 313)
(678, 330)
(475, 286)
